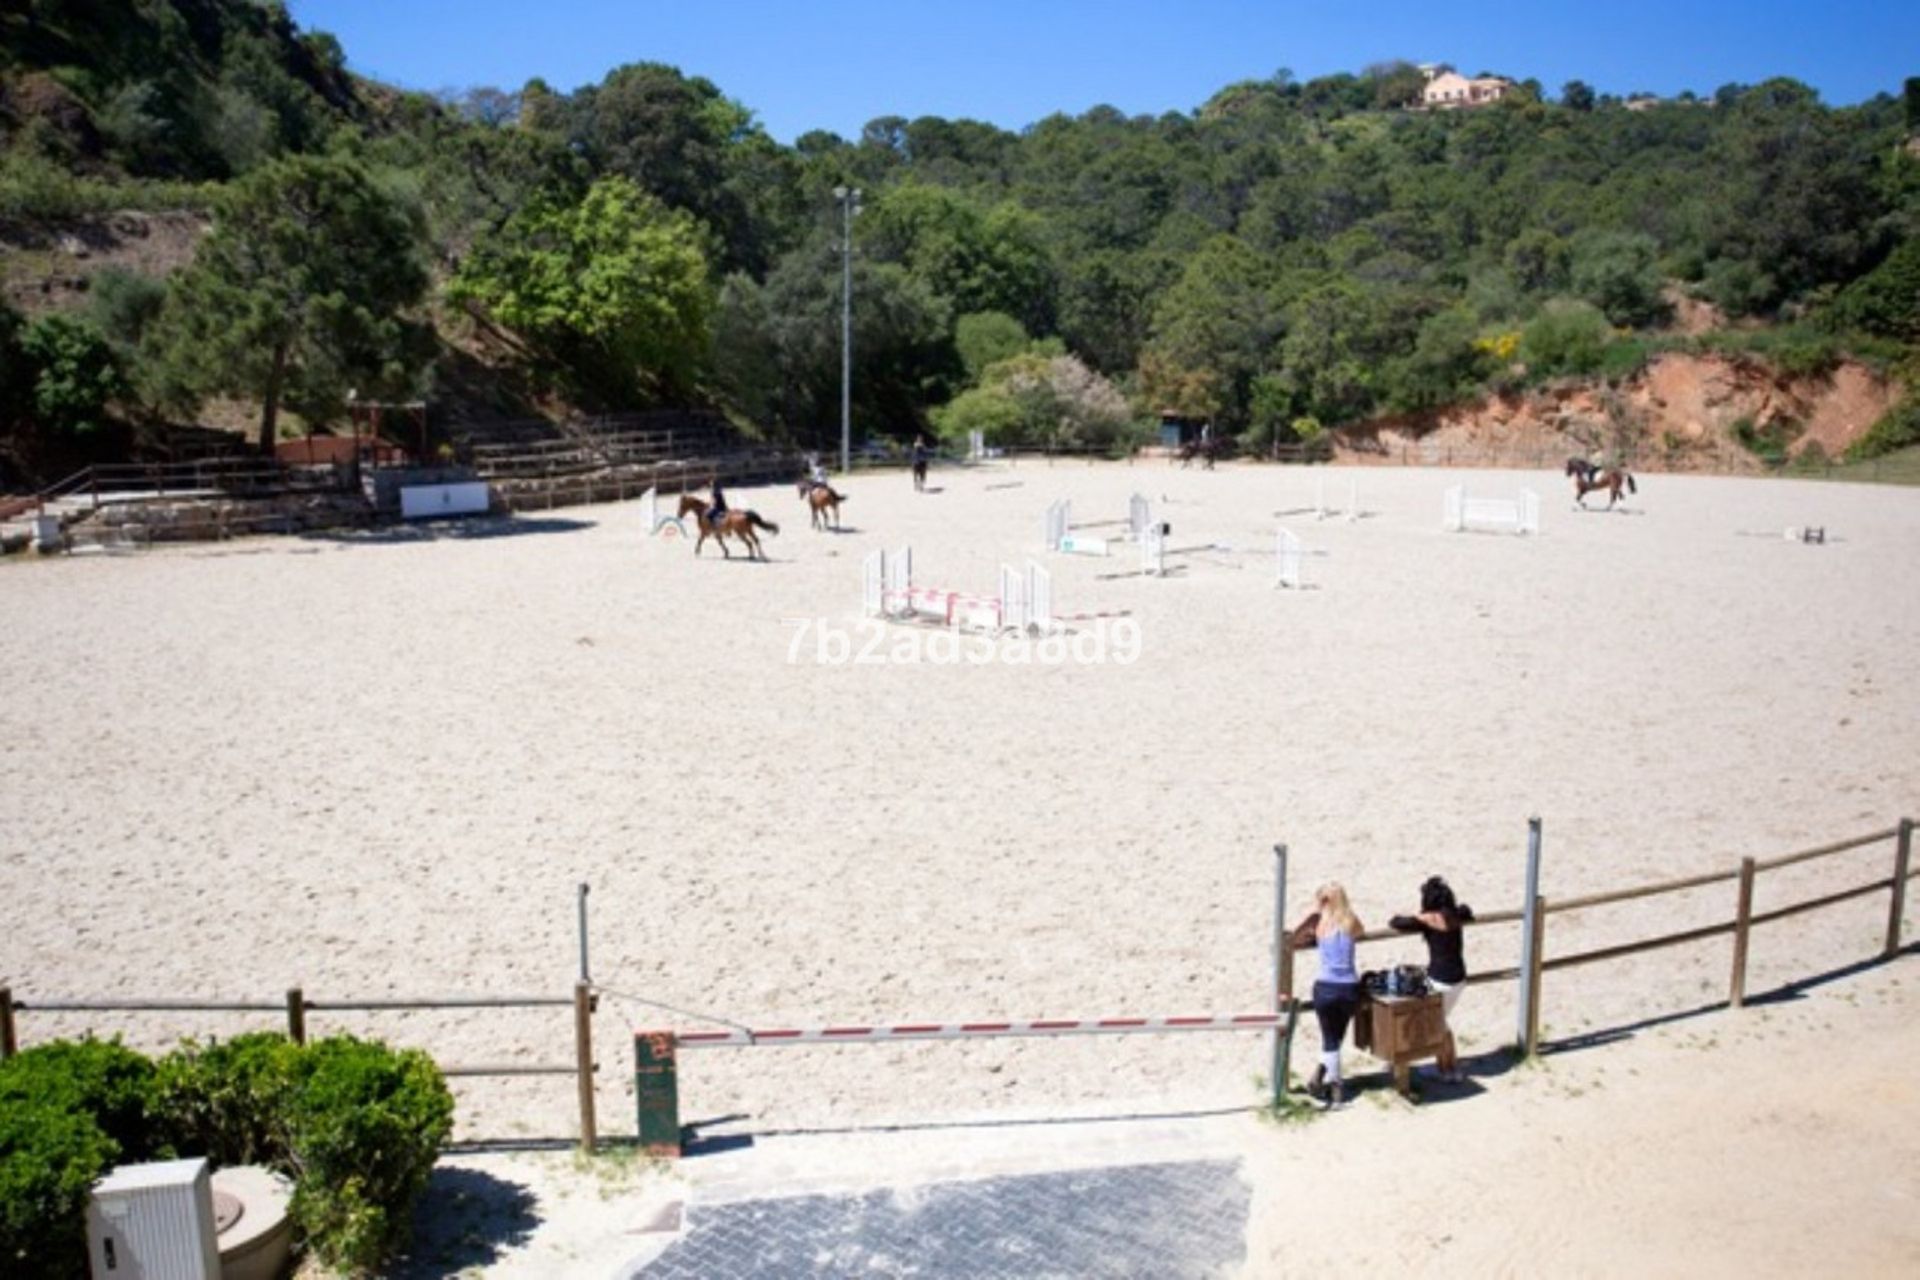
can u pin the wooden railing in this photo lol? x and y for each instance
(1532, 918)
(297, 1005)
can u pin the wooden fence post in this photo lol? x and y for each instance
(296, 1015)
(583, 1062)
(1897, 905)
(1282, 1066)
(1902, 858)
(9, 1041)
(1536, 965)
(1742, 922)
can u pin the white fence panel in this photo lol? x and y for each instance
(1289, 560)
(1039, 597)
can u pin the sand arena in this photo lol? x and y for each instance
(378, 766)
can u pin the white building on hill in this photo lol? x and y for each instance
(1448, 90)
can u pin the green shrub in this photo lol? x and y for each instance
(1896, 429)
(366, 1124)
(228, 1100)
(49, 1158)
(1768, 442)
(102, 1080)
(77, 373)
(1886, 301)
(1811, 460)
(1623, 358)
(1567, 337)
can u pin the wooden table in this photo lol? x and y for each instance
(1401, 1030)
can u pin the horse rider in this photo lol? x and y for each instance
(718, 507)
(817, 472)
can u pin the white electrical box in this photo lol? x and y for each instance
(154, 1222)
(424, 501)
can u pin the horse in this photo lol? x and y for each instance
(821, 499)
(1208, 450)
(919, 472)
(739, 524)
(1587, 478)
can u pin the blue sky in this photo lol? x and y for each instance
(835, 64)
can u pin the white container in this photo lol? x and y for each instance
(256, 1244)
(153, 1222)
(425, 501)
(48, 536)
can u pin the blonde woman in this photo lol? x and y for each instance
(1332, 929)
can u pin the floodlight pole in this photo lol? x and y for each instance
(849, 205)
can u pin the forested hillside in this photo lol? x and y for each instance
(1285, 258)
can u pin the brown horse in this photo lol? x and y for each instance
(821, 499)
(1209, 450)
(738, 524)
(1588, 478)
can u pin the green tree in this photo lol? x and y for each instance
(680, 139)
(614, 286)
(299, 294)
(1445, 365)
(980, 259)
(75, 374)
(1619, 272)
(781, 346)
(985, 338)
(1577, 95)
(1885, 301)
(1567, 337)
(123, 305)
(1036, 399)
(1342, 338)
(1210, 335)
(1539, 260)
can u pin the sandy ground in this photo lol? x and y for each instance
(1775, 1141)
(377, 767)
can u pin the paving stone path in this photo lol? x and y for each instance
(1160, 1220)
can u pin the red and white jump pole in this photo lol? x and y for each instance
(775, 1038)
(656, 1053)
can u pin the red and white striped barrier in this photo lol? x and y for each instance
(1025, 602)
(864, 1034)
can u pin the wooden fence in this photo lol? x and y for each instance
(1534, 963)
(297, 1005)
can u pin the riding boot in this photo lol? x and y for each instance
(1317, 1085)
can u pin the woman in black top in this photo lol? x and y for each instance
(1439, 923)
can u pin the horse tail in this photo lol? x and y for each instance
(1631, 486)
(837, 495)
(753, 518)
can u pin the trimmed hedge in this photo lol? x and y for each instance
(228, 1099)
(356, 1124)
(102, 1079)
(49, 1159)
(365, 1123)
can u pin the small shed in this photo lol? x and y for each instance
(1177, 429)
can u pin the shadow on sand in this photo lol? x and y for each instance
(466, 1218)
(474, 528)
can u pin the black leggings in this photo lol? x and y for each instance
(1334, 1003)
